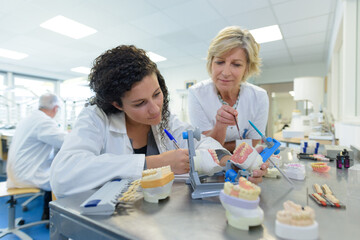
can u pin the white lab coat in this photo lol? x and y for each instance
(253, 105)
(32, 151)
(98, 149)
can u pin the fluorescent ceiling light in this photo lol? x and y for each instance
(155, 57)
(267, 34)
(84, 70)
(68, 27)
(12, 54)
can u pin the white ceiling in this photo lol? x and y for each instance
(179, 30)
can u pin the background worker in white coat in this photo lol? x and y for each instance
(233, 56)
(36, 140)
(122, 132)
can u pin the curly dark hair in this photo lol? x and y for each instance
(115, 72)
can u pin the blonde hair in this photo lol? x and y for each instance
(233, 37)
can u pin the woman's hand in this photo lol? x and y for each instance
(258, 174)
(178, 160)
(226, 115)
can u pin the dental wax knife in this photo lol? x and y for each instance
(269, 145)
(237, 126)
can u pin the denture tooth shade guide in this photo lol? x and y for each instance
(326, 189)
(156, 183)
(131, 194)
(318, 188)
(318, 197)
(241, 202)
(329, 195)
(294, 222)
(332, 198)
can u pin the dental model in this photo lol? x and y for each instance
(272, 173)
(295, 171)
(277, 160)
(295, 222)
(156, 183)
(320, 167)
(241, 202)
(246, 157)
(207, 162)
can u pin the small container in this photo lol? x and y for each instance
(347, 161)
(339, 161)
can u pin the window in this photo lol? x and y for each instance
(27, 91)
(3, 102)
(75, 93)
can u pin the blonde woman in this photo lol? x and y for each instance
(214, 104)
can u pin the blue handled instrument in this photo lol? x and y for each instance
(172, 139)
(272, 148)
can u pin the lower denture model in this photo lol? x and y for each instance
(295, 222)
(156, 183)
(246, 157)
(320, 167)
(241, 202)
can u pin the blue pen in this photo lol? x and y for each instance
(172, 139)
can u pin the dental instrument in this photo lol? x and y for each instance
(172, 139)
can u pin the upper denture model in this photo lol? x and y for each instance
(246, 157)
(295, 222)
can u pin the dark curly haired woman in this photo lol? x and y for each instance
(121, 133)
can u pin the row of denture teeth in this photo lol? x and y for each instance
(214, 155)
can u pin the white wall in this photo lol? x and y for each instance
(348, 133)
(344, 73)
(288, 73)
(176, 86)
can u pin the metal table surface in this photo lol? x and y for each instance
(180, 217)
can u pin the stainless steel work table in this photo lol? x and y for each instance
(180, 217)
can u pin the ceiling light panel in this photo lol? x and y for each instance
(12, 54)
(84, 70)
(267, 34)
(155, 57)
(68, 27)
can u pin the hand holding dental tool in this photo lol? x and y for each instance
(272, 148)
(172, 139)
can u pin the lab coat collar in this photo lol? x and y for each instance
(117, 122)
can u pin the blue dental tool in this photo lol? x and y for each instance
(272, 148)
(172, 139)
